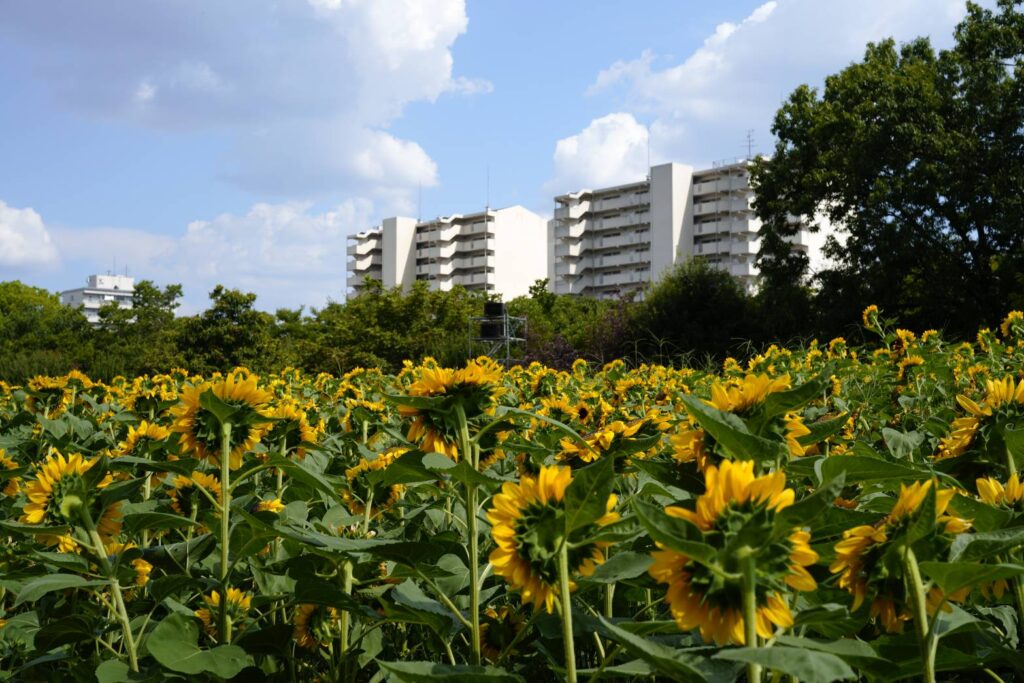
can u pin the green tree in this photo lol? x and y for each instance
(918, 156)
(141, 339)
(694, 309)
(39, 335)
(230, 333)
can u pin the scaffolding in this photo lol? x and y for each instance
(496, 333)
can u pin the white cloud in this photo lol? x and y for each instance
(24, 239)
(611, 150)
(302, 91)
(699, 109)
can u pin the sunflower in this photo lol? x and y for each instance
(998, 494)
(865, 567)
(200, 429)
(476, 387)
(523, 521)
(1001, 396)
(690, 444)
(870, 316)
(238, 606)
(699, 597)
(140, 434)
(273, 505)
(315, 626)
(1014, 322)
(359, 485)
(741, 396)
(187, 500)
(498, 629)
(617, 435)
(291, 428)
(13, 484)
(59, 480)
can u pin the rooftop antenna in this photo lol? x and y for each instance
(750, 143)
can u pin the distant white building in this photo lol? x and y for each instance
(99, 291)
(615, 240)
(500, 251)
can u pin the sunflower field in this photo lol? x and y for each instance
(816, 514)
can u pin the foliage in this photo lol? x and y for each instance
(915, 156)
(830, 512)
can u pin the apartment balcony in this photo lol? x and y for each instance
(625, 220)
(621, 202)
(567, 250)
(739, 247)
(356, 280)
(461, 262)
(363, 247)
(572, 211)
(721, 185)
(732, 205)
(726, 226)
(445, 251)
(569, 230)
(626, 239)
(471, 279)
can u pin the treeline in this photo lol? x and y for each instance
(694, 315)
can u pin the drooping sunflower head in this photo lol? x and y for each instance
(60, 484)
(200, 428)
(238, 606)
(11, 485)
(360, 488)
(49, 395)
(870, 316)
(867, 568)
(187, 498)
(527, 524)
(1013, 324)
(741, 396)
(141, 435)
(702, 598)
(997, 494)
(291, 428)
(314, 626)
(498, 629)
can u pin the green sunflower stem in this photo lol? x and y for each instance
(565, 606)
(748, 564)
(115, 586)
(925, 635)
(467, 451)
(1011, 464)
(346, 586)
(1018, 594)
(225, 530)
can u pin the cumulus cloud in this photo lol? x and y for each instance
(699, 109)
(303, 91)
(611, 150)
(24, 239)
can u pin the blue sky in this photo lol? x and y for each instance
(240, 141)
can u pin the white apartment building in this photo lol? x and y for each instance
(99, 291)
(499, 251)
(613, 241)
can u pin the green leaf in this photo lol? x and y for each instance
(730, 433)
(622, 566)
(173, 643)
(850, 650)
(1014, 440)
(674, 533)
(985, 544)
(301, 473)
(952, 576)
(37, 588)
(864, 469)
(221, 410)
(408, 469)
(809, 666)
(316, 591)
(806, 510)
(923, 523)
(141, 521)
(823, 429)
(64, 631)
(586, 497)
(902, 444)
(983, 517)
(676, 664)
(784, 401)
(626, 529)
(112, 671)
(422, 672)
